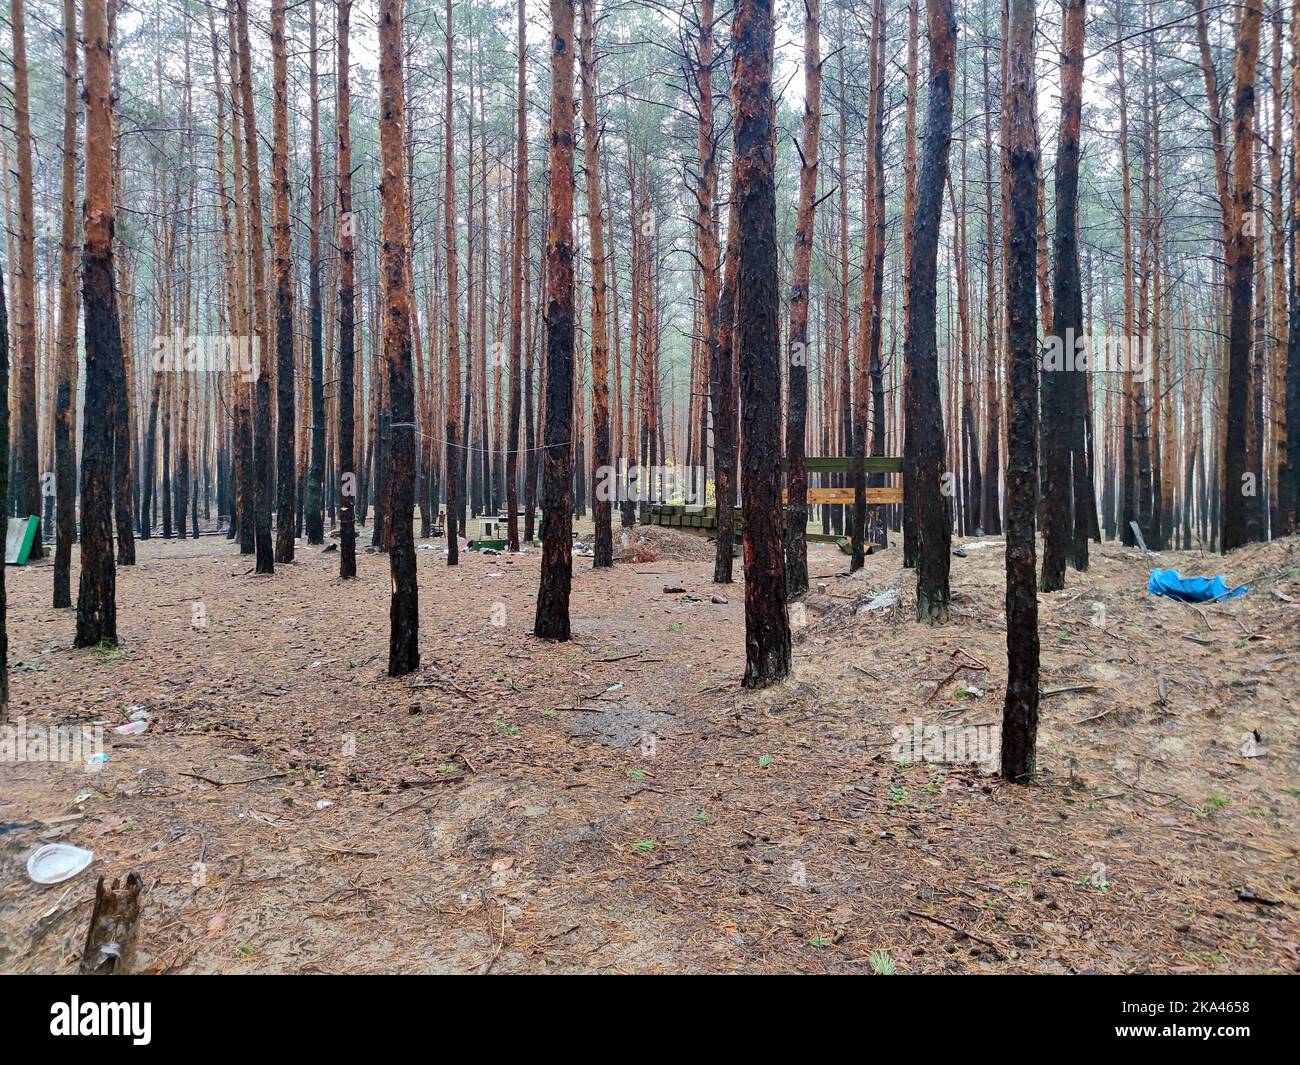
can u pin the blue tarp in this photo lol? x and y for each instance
(1169, 583)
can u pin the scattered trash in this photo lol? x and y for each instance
(879, 601)
(614, 687)
(1169, 583)
(323, 804)
(971, 690)
(672, 589)
(57, 862)
(96, 759)
(82, 796)
(984, 543)
(112, 927)
(132, 728)
(139, 713)
(721, 600)
(960, 552)
(1250, 746)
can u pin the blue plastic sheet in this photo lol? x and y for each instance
(1168, 582)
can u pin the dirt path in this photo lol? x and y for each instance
(617, 803)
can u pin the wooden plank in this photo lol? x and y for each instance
(875, 496)
(872, 464)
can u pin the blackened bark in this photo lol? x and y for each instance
(518, 280)
(455, 451)
(925, 415)
(1062, 416)
(1236, 525)
(285, 475)
(347, 309)
(602, 508)
(65, 458)
(403, 611)
(1020, 709)
(767, 627)
(796, 543)
(721, 387)
(314, 519)
(261, 428)
(552, 620)
(97, 594)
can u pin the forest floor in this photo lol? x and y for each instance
(618, 803)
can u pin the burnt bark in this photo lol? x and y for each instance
(97, 593)
(285, 480)
(1020, 708)
(767, 627)
(796, 542)
(1236, 524)
(552, 620)
(924, 412)
(403, 611)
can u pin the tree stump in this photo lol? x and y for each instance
(112, 927)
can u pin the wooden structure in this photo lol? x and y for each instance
(705, 518)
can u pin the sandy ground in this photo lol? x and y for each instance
(618, 803)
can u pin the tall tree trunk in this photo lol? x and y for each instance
(1238, 478)
(796, 544)
(314, 521)
(1289, 489)
(347, 303)
(552, 620)
(924, 410)
(265, 562)
(1062, 422)
(65, 419)
(909, 217)
(4, 501)
(767, 627)
(600, 459)
(1020, 709)
(27, 486)
(403, 611)
(455, 452)
(97, 594)
(518, 280)
(281, 252)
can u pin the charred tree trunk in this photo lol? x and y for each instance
(65, 419)
(97, 594)
(767, 627)
(796, 543)
(347, 308)
(1020, 709)
(924, 413)
(600, 456)
(283, 264)
(403, 613)
(265, 557)
(552, 620)
(314, 504)
(455, 453)
(518, 279)
(1062, 397)
(1238, 479)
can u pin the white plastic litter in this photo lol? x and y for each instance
(57, 862)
